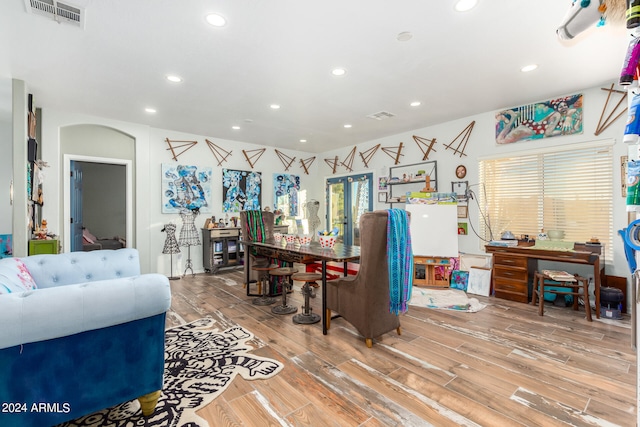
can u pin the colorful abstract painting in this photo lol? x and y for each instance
(6, 246)
(186, 186)
(556, 117)
(459, 279)
(241, 190)
(285, 191)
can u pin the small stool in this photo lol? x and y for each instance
(263, 280)
(306, 317)
(578, 287)
(285, 273)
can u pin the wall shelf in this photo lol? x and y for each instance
(406, 178)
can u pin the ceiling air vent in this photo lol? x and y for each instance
(381, 115)
(62, 12)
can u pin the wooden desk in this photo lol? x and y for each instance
(302, 254)
(514, 267)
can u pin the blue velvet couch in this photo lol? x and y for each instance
(79, 332)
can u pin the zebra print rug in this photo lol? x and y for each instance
(200, 362)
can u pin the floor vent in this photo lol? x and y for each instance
(381, 115)
(62, 12)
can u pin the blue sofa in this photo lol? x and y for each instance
(79, 332)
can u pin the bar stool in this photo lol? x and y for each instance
(578, 287)
(263, 284)
(285, 273)
(306, 317)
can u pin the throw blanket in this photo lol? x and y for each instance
(400, 260)
(255, 226)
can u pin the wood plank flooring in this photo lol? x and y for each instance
(502, 366)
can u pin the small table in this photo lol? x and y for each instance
(304, 255)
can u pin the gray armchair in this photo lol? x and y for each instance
(363, 300)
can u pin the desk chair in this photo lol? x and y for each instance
(545, 284)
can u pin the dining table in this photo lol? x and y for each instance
(303, 254)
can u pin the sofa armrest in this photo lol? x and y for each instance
(56, 312)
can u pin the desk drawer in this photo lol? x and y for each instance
(511, 261)
(515, 290)
(508, 273)
(223, 232)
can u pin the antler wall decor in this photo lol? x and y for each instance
(367, 155)
(220, 154)
(348, 161)
(395, 155)
(333, 163)
(422, 143)
(305, 163)
(608, 121)
(255, 156)
(286, 160)
(463, 142)
(181, 144)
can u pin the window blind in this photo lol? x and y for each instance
(569, 189)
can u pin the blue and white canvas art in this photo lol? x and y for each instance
(186, 187)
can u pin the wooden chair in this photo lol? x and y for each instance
(363, 300)
(577, 288)
(267, 222)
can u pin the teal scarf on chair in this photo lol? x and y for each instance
(400, 260)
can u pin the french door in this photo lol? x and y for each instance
(348, 197)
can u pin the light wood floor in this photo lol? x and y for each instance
(502, 366)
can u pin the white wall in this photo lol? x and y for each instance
(151, 152)
(482, 143)
(200, 155)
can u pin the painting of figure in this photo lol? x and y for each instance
(285, 190)
(556, 117)
(186, 187)
(241, 190)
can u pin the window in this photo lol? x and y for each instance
(567, 188)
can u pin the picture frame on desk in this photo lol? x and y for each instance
(463, 211)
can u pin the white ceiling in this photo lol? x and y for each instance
(283, 51)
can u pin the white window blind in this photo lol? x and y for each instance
(569, 189)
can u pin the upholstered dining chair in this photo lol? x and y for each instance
(257, 226)
(363, 300)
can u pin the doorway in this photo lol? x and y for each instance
(348, 197)
(99, 189)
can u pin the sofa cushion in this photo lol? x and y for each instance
(65, 310)
(15, 276)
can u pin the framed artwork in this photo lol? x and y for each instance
(186, 187)
(382, 196)
(382, 183)
(241, 190)
(459, 279)
(285, 192)
(555, 117)
(462, 228)
(460, 188)
(463, 211)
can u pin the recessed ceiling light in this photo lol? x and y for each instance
(404, 36)
(274, 106)
(416, 103)
(235, 127)
(464, 5)
(528, 68)
(347, 126)
(216, 20)
(174, 79)
(150, 110)
(303, 141)
(338, 71)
